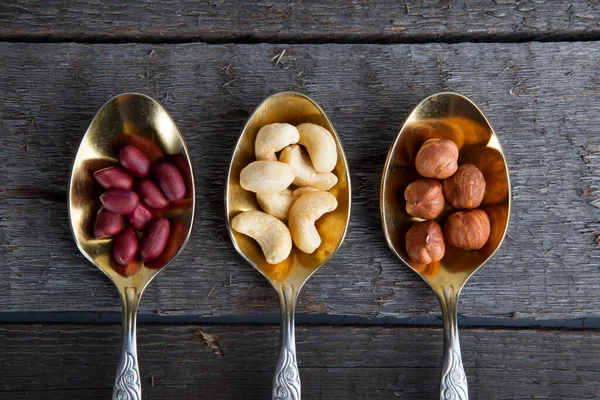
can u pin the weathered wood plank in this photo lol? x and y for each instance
(282, 21)
(542, 99)
(78, 361)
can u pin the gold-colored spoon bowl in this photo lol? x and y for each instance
(293, 108)
(454, 117)
(137, 120)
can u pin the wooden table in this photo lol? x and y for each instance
(368, 327)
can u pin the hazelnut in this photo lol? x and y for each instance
(464, 189)
(424, 198)
(467, 230)
(425, 242)
(437, 158)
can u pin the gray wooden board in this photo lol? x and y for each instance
(542, 99)
(283, 21)
(340, 362)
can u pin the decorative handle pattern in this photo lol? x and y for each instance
(287, 378)
(286, 383)
(127, 382)
(453, 384)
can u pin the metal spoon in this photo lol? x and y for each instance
(138, 120)
(448, 116)
(289, 276)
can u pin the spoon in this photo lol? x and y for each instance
(287, 277)
(455, 117)
(137, 120)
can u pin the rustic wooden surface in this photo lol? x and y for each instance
(543, 105)
(310, 21)
(532, 66)
(236, 362)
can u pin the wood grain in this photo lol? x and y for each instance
(282, 21)
(542, 99)
(235, 362)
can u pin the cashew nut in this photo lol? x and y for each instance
(266, 176)
(305, 174)
(276, 204)
(303, 214)
(320, 145)
(271, 234)
(279, 204)
(272, 138)
(303, 190)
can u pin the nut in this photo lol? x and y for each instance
(151, 194)
(114, 178)
(128, 270)
(178, 232)
(276, 204)
(120, 201)
(464, 189)
(437, 158)
(493, 167)
(266, 177)
(279, 204)
(134, 161)
(132, 136)
(167, 176)
(154, 239)
(108, 224)
(271, 234)
(125, 246)
(303, 214)
(140, 217)
(303, 190)
(424, 198)
(305, 174)
(273, 138)
(467, 230)
(320, 145)
(425, 242)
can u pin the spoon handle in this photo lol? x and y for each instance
(286, 383)
(453, 384)
(127, 382)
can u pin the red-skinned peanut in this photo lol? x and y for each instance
(134, 161)
(169, 179)
(151, 194)
(154, 239)
(108, 224)
(125, 246)
(127, 270)
(120, 201)
(177, 236)
(140, 217)
(114, 178)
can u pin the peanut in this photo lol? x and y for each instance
(155, 239)
(108, 224)
(125, 246)
(140, 217)
(120, 201)
(169, 179)
(114, 178)
(134, 161)
(151, 194)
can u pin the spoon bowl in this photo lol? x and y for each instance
(137, 120)
(454, 117)
(289, 276)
